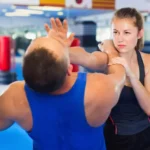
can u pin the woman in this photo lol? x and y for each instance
(128, 127)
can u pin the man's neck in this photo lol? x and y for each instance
(69, 82)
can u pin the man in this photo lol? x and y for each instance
(60, 109)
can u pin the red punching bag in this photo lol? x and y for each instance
(76, 42)
(5, 53)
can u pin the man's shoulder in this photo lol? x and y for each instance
(13, 91)
(9, 98)
(97, 77)
(97, 82)
(98, 86)
(16, 87)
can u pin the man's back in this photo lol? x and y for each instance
(57, 121)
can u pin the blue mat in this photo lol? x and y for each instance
(15, 138)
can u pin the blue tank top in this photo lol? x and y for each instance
(127, 116)
(59, 121)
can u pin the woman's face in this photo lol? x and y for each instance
(125, 34)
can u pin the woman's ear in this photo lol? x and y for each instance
(141, 34)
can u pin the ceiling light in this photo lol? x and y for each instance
(60, 13)
(17, 14)
(45, 8)
(30, 11)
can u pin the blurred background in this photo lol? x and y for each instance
(21, 21)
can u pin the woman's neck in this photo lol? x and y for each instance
(129, 56)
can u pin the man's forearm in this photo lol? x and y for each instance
(77, 54)
(96, 61)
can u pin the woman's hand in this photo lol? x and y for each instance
(123, 62)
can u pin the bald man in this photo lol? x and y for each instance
(60, 110)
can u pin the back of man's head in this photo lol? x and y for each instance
(43, 70)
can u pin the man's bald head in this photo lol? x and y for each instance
(52, 45)
(45, 65)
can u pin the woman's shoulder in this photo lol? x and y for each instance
(146, 60)
(145, 56)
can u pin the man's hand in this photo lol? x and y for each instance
(59, 31)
